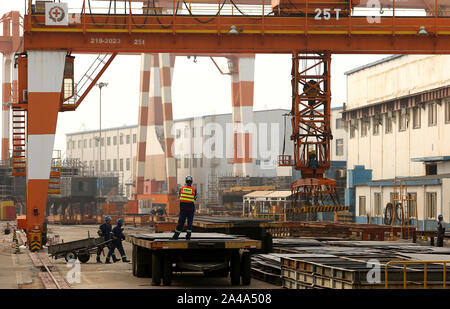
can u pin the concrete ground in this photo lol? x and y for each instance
(19, 272)
(16, 269)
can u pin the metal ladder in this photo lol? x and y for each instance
(54, 182)
(19, 137)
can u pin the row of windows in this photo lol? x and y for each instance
(410, 210)
(93, 142)
(196, 162)
(117, 165)
(403, 120)
(192, 131)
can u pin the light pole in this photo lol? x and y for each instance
(100, 86)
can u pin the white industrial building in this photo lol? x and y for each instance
(203, 147)
(398, 124)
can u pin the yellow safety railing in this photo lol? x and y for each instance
(425, 263)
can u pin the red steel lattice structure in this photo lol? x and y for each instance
(311, 131)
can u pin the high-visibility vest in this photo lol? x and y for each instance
(187, 194)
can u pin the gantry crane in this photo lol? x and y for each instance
(46, 51)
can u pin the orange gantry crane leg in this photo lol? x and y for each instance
(45, 77)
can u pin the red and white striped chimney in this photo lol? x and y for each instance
(166, 69)
(242, 79)
(142, 123)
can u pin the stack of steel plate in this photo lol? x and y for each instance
(363, 272)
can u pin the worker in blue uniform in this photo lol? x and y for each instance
(104, 231)
(117, 236)
(440, 231)
(188, 194)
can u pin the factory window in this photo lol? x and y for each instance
(193, 132)
(431, 169)
(115, 165)
(201, 162)
(96, 142)
(178, 133)
(194, 162)
(134, 138)
(393, 198)
(68, 145)
(128, 138)
(178, 163)
(108, 165)
(416, 117)
(377, 203)
(201, 190)
(90, 142)
(114, 140)
(431, 206)
(186, 162)
(102, 165)
(339, 123)
(376, 126)
(186, 132)
(108, 140)
(339, 147)
(83, 186)
(128, 164)
(121, 139)
(85, 143)
(364, 127)
(353, 128)
(432, 114)
(388, 124)
(412, 204)
(362, 205)
(121, 165)
(447, 111)
(403, 122)
(128, 190)
(79, 144)
(103, 141)
(96, 165)
(258, 162)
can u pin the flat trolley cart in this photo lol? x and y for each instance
(78, 249)
(214, 254)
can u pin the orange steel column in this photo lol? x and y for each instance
(6, 103)
(166, 96)
(45, 76)
(242, 114)
(142, 123)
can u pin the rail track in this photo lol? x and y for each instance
(50, 278)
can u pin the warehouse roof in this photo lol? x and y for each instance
(372, 64)
(269, 194)
(410, 181)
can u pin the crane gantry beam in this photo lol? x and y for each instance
(184, 34)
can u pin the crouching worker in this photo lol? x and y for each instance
(117, 236)
(188, 194)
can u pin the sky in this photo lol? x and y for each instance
(197, 88)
